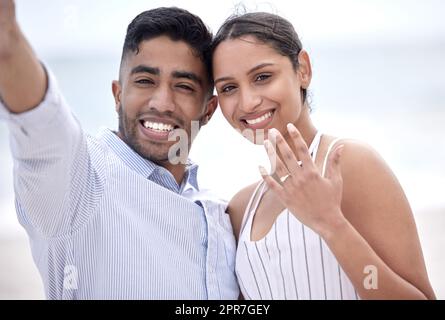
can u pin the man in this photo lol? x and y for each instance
(119, 216)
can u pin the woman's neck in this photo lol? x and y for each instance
(305, 127)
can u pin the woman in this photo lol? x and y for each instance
(332, 221)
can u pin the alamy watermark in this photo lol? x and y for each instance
(70, 278)
(370, 282)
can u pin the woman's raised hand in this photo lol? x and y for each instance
(313, 199)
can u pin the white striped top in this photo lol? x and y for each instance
(104, 223)
(291, 261)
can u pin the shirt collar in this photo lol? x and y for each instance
(143, 166)
(146, 167)
(191, 176)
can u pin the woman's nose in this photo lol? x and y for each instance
(249, 101)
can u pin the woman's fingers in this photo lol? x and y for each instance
(333, 168)
(271, 182)
(301, 149)
(287, 155)
(277, 166)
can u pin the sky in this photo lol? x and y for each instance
(83, 26)
(368, 57)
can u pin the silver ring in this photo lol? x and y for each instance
(300, 163)
(283, 179)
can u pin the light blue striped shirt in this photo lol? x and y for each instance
(104, 223)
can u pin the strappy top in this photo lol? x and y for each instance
(291, 261)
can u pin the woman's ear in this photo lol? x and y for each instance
(304, 69)
(211, 106)
(117, 90)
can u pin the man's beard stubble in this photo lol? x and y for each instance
(128, 133)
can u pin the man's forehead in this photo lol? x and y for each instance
(166, 61)
(164, 49)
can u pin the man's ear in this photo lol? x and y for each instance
(117, 91)
(304, 69)
(211, 106)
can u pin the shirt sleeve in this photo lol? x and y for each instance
(52, 168)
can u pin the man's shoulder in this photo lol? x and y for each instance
(211, 197)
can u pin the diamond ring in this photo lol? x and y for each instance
(283, 179)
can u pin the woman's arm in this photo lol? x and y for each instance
(237, 207)
(379, 230)
(369, 228)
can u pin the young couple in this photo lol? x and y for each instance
(112, 217)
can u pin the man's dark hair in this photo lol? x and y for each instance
(179, 25)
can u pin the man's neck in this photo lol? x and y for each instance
(177, 170)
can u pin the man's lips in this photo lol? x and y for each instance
(157, 128)
(152, 122)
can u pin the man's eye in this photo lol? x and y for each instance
(262, 77)
(144, 81)
(185, 87)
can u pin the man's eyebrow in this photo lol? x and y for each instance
(145, 69)
(188, 75)
(262, 65)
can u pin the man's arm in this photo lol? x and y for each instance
(55, 179)
(23, 80)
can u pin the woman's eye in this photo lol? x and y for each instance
(227, 89)
(262, 77)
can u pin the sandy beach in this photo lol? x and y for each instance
(19, 278)
(431, 227)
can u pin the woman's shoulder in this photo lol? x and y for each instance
(368, 181)
(363, 169)
(356, 154)
(238, 204)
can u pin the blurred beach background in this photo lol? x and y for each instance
(378, 76)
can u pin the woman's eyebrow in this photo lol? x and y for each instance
(260, 66)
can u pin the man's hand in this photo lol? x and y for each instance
(22, 78)
(7, 12)
(8, 26)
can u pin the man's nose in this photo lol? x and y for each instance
(162, 99)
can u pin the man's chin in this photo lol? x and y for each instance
(156, 155)
(157, 152)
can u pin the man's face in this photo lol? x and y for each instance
(163, 88)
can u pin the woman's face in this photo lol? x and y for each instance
(258, 88)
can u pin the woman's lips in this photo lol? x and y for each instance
(259, 121)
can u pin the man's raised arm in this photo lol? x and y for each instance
(53, 170)
(23, 81)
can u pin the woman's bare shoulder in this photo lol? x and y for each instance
(237, 206)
